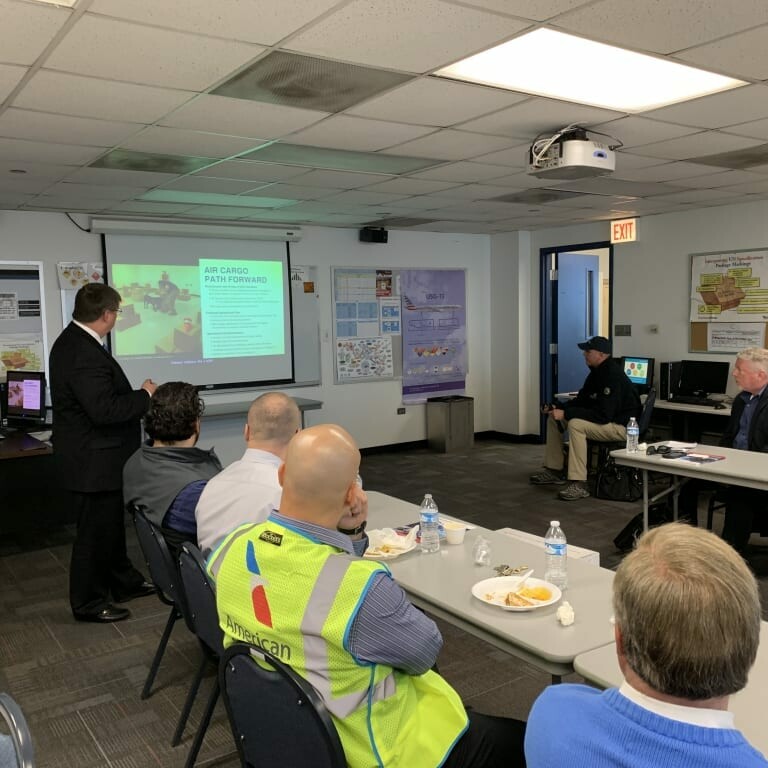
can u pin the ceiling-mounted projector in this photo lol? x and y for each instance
(569, 154)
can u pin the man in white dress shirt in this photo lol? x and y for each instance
(248, 490)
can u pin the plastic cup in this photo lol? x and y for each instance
(455, 535)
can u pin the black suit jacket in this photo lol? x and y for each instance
(96, 413)
(758, 427)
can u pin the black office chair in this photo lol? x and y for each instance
(18, 731)
(200, 596)
(165, 575)
(277, 717)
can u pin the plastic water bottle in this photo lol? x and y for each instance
(429, 522)
(633, 435)
(556, 556)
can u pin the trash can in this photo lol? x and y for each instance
(451, 423)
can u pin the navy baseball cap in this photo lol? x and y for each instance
(599, 343)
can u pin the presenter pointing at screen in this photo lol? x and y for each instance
(96, 427)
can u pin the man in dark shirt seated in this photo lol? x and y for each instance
(166, 476)
(600, 411)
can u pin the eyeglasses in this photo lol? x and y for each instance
(116, 311)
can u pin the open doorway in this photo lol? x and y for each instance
(576, 305)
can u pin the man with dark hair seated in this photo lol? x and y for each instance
(166, 476)
(687, 629)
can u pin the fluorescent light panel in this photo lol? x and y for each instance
(67, 3)
(560, 66)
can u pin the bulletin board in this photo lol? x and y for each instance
(728, 301)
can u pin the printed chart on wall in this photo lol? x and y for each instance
(434, 333)
(23, 341)
(366, 323)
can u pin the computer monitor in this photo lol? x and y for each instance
(639, 371)
(25, 398)
(701, 378)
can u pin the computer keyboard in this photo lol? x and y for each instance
(691, 400)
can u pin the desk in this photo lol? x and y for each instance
(441, 583)
(601, 667)
(746, 468)
(690, 414)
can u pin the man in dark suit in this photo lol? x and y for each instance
(96, 427)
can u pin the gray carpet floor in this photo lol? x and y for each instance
(79, 684)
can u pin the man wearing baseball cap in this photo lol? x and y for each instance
(600, 411)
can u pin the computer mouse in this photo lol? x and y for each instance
(719, 406)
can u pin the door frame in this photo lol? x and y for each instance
(548, 314)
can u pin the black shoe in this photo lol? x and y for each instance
(105, 615)
(144, 589)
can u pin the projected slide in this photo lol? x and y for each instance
(211, 312)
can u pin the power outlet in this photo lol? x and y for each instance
(400, 411)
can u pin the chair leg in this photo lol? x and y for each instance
(204, 723)
(173, 617)
(710, 511)
(193, 689)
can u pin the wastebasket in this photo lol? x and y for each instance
(451, 423)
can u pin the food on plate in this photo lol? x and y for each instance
(508, 570)
(518, 601)
(536, 593)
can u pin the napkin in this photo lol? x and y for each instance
(386, 542)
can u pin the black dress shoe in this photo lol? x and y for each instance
(105, 615)
(144, 589)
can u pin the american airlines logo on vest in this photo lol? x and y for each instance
(261, 611)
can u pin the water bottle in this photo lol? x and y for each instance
(429, 522)
(633, 435)
(556, 556)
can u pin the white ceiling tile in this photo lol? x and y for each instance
(403, 35)
(292, 192)
(362, 197)
(42, 126)
(515, 157)
(358, 134)
(477, 192)
(722, 179)
(341, 179)
(10, 76)
(67, 203)
(436, 101)
(22, 184)
(698, 145)
(532, 117)
(240, 117)
(664, 26)
(420, 203)
(218, 212)
(607, 185)
(44, 152)
(174, 141)
(664, 172)
(737, 106)
(462, 172)
(249, 171)
(244, 20)
(757, 129)
(635, 131)
(696, 196)
(95, 191)
(9, 201)
(140, 206)
(110, 176)
(528, 9)
(448, 144)
(752, 188)
(147, 55)
(217, 186)
(35, 170)
(27, 29)
(744, 55)
(51, 91)
(410, 186)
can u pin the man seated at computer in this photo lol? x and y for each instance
(166, 476)
(296, 584)
(600, 411)
(687, 630)
(747, 430)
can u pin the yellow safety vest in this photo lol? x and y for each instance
(297, 598)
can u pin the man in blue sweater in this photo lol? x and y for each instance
(687, 629)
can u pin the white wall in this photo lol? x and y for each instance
(368, 410)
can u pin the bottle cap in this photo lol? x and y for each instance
(555, 524)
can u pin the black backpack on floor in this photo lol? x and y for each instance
(658, 514)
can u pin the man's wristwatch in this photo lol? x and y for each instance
(353, 531)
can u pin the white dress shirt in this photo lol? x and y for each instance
(245, 492)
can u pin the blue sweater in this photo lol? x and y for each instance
(580, 727)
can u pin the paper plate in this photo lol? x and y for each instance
(494, 591)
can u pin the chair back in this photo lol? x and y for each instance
(18, 731)
(157, 556)
(645, 417)
(200, 594)
(277, 717)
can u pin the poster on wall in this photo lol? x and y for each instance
(364, 358)
(434, 329)
(729, 287)
(733, 337)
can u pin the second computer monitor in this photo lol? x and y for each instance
(701, 378)
(639, 371)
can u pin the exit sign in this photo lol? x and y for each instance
(624, 231)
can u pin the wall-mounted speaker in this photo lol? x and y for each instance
(374, 235)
